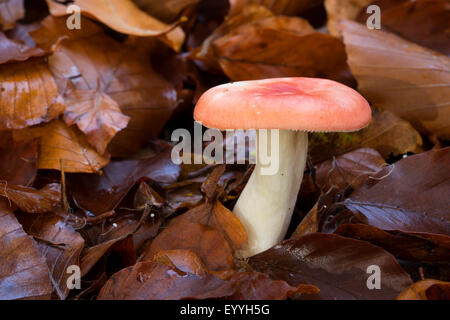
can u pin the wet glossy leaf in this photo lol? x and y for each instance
(180, 274)
(392, 202)
(412, 246)
(336, 265)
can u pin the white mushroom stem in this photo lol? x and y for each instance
(266, 204)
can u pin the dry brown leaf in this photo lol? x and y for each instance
(121, 15)
(401, 77)
(65, 147)
(180, 274)
(251, 14)
(11, 50)
(342, 10)
(18, 161)
(31, 200)
(387, 133)
(122, 72)
(208, 243)
(428, 289)
(23, 271)
(28, 95)
(349, 170)
(279, 46)
(220, 218)
(167, 10)
(59, 244)
(10, 12)
(96, 114)
(285, 7)
(425, 22)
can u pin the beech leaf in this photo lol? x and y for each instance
(121, 15)
(23, 271)
(29, 95)
(122, 74)
(334, 264)
(401, 77)
(59, 244)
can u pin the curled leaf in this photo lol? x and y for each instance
(10, 12)
(121, 15)
(31, 200)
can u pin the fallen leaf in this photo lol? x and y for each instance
(10, 12)
(150, 280)
(428, 289)
(261, 49)
(334, 264)
(117, 179)
(220, 218)
(31, 200)
(336, 179)
(338, 10)
(411, 195)
(168, 10)
(401, 77)
(425, 22)
(386, 133)
(97, 115)
(29, 95)
(65, 147)
(349, 170)
(122, 73)
(180, 274)
(59, 244)
(120, 15)
(11, 50)
(419, 247)
(23, 271)
(206, 54)
(212, 247)
(18, 161)
(259, 286)
(285, 7)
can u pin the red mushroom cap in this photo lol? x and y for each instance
(308, 104)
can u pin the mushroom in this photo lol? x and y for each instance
(294, 106)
